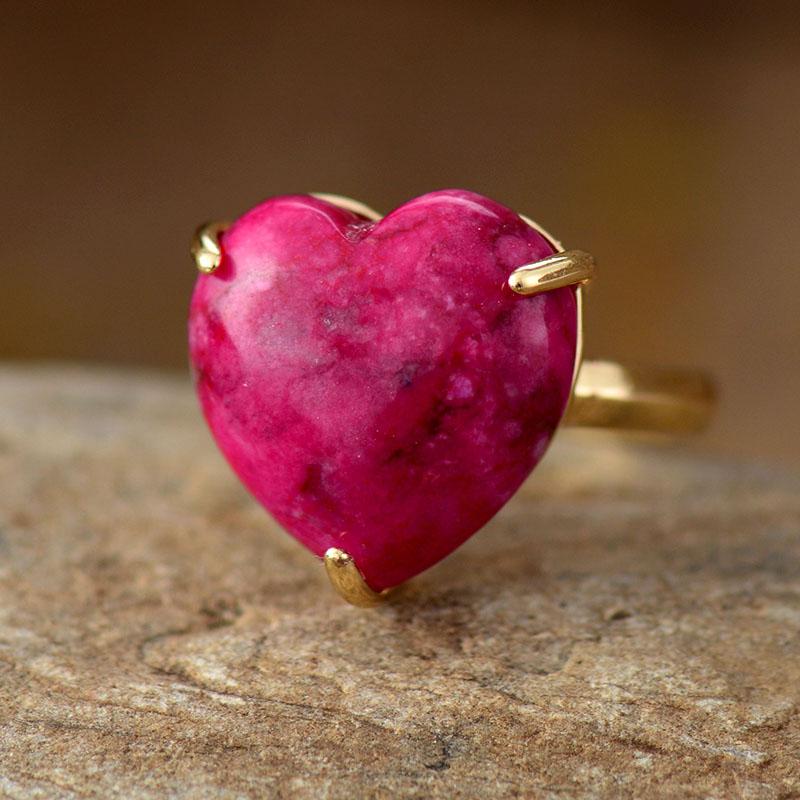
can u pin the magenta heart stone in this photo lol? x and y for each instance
(376, 385)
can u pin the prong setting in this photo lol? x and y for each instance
(206, 250)
(348, 581)
(568, 268)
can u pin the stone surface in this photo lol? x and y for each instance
(627, 626)
(377, 386)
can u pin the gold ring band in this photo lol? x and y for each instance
(608, 395)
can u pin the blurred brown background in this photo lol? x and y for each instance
(664, 139)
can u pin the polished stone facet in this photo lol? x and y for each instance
(377, 386)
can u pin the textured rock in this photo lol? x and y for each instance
(378, 386)
(628, 626)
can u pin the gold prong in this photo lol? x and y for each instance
(348, 580)
(206, 249)
(570, 268)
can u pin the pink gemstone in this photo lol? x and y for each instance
(377, 386)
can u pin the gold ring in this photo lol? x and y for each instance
(603, 394)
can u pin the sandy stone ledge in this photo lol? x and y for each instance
(629, 626)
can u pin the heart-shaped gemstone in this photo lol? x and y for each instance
(376, 385)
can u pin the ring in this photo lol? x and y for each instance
(383, 385)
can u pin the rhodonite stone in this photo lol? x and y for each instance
(376, 385)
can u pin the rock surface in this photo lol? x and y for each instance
(628, 626)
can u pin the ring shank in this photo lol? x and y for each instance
(608, 395)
